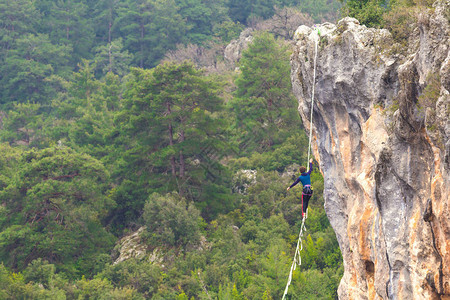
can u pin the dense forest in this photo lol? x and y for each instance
(106, 130)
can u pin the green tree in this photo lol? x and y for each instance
(239, 10)
(368, 12)
(53, 206)
(83, 114)
(16, 286)
(24, 125)
(314, 284)
(184, 101)
(29, 68)
(271, 276)
(92, 131)
(263, 102)
(200, 17)
(83, 118)
(105, 14)
(149, 28)
(170, 113)
(140, 275)
(42, 272)
(9, 164)
(321, 10)
(102, 289)
(78, 93)
(171, 221)
(68, 23)
(228, 30)
(112, 58)
(17, 18)
(242, 11)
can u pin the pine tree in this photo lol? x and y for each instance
(264, 101)
(150, 28)
(68, 23)
(53, 207)
(29, 68)
(17, 18)
(169, 113)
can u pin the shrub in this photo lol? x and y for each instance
(171, 221)
(368, 12)
(141, 276)
(400, 21)
(431, 92)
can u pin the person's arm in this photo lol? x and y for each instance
(310, 166)
(295, 182)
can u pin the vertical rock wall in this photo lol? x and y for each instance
(383, 153)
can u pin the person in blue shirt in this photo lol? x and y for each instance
(305, 179)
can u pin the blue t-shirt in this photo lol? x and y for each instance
(305, 178)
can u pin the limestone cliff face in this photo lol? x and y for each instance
(382, 141)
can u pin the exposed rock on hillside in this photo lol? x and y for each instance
(130, 246)
(282, 24)
(234, 49)
(133, 246)
(242, 180)
(381, 133)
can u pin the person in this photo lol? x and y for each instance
(305, 179)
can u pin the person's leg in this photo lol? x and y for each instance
(302, 206)
(306, 198)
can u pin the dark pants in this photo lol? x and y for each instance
(306, 195)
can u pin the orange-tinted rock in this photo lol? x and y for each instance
(386, 170)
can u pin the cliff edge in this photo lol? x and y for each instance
(381, 134)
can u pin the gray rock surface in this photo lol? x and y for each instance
(242, 180)
(386, 168)
(234, 49)
(130, 246)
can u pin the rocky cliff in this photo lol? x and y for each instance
(381, 134)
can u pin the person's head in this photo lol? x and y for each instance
(302, 169)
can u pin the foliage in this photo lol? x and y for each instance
(99, 139)
(314, 284)
(400, 20)
(53, 207)
(43, 41)
(68, 23)
(149, 28)
(263, 99)
(171, 221)
(427, 101)
(430, 93)
(368, 12)
(17, 19)
(170, 113)
(321, 10)
(228, 30)
(139, 275)
(200, 17)
(244, 11)
(113, 58)
(24, 125)
(29, 67)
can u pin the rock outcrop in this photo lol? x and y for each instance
(130, 246)
(381, 134)
(233, 51)
(242, 180)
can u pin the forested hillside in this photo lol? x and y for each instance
(105, 130)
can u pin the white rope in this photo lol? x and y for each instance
(312, 101)
(297, 257)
